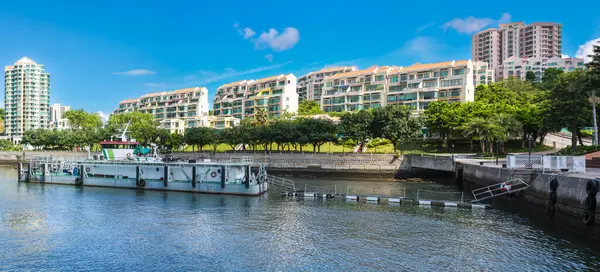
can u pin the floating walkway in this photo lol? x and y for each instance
(391, 200)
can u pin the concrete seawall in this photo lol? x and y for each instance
(292, 164)
(571, 192)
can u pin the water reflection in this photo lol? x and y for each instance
(56, 227)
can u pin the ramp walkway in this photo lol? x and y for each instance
(499, 189)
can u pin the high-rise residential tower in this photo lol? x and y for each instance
(537, 40)
(26, 97)
(56, 117)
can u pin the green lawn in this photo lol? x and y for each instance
(326, 148)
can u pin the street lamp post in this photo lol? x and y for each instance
(529, 165)
(594, 100)
(497, 151)
(452, 151)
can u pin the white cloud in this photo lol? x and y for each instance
(246, 31)
(471, 24)
(103, 116)
(154, 85)
(269, 57)
(209, 76)
(421, 28)
(278, 41)
(564, 56)
(136, 72)
(587, 49)
(423, 48)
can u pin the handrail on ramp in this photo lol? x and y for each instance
(498, 189)
(280, 182)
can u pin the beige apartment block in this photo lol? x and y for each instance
(518, 67)
(243, 99)
(176, 110)
(414, 86)
(310, 86)
(26, 97)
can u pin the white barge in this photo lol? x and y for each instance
(123, 166)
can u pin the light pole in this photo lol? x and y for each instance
(529, 164)
(452, 151)
(594, 100)
(497, 151)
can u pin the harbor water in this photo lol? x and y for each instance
(61, 227)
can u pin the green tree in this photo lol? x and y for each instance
(200, 136)
(550, 77)
(318, 132)
(80, 119)
(231, 136)
(309, 107)
(7, 145)
(356, 126)
(260, 117)
(530, 76)
(395, 123)
(143, 127)
(570, 106)
(485, 131)
(2, 113)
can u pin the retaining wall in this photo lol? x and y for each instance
(571, 192)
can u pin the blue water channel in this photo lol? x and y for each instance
(65, 228)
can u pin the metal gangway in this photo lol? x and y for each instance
(503, 188)
(287, 184)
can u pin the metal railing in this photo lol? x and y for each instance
(551, 163)
(280, 182)
(503, 188)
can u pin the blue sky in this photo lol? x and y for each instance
(102, 52)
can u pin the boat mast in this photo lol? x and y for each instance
(123, 136)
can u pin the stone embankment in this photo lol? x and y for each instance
(567, 202)
(303, 164)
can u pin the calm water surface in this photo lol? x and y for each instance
(58, 227)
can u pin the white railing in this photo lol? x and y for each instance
(503, 188)
(280, 182)
(551, 163)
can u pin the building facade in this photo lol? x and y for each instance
(310, 86)
(243, 99)
(536, 40)
(518, 67)
(56, 119)
(415, 86)
(26, 97)
(176, 110)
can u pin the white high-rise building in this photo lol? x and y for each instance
(310, 86)
(56, 119)
(26, 97)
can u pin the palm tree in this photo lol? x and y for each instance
(484, 130)
(510, 125)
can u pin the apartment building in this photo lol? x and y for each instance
(56, 119)
(536, 40)
(26, 97)
(415, 86)
(356, 90)
(310, 85)
(243, 99)
(518, 67)
(176, 110)
(483, 73)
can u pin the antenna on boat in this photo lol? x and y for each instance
(123, 137)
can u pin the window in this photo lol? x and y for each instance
(411, 77)
(379, 78)
(403, 77)
(430, 83)
(458, 72)
(393, 79)
(281, 83)
(444, 73)
(454, 82)
(392, 98)
(413, 85)
(328, 84)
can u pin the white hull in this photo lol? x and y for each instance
(212, 178)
